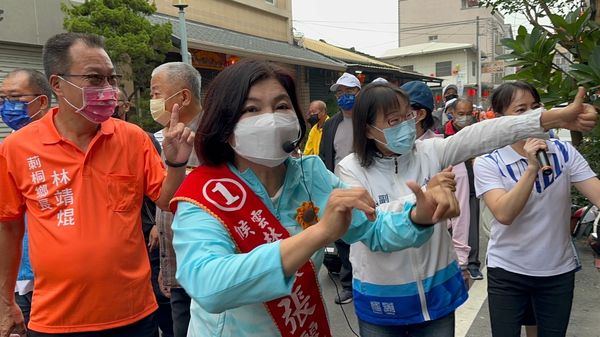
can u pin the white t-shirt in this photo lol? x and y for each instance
(342, 141)
(538, 242)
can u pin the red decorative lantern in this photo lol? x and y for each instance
(361, 78)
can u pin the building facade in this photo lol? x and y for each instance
(219, 33)
(454, 21)
(454, 63)
(270, 19)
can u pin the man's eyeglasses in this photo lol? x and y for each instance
(97, 79)
(339, 93)
(15, 97)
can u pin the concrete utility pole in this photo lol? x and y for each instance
(398, 23)
(478, 64)
(494, 74)
(185, 56)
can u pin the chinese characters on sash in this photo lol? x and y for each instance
(251, 224)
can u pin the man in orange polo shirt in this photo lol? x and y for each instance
(81, 176)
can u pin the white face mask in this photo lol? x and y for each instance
(158, 110)
(463, 121)
(260, 139)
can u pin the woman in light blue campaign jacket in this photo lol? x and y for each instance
(414, 292)
(250, 116)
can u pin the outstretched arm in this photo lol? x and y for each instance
(491, 134)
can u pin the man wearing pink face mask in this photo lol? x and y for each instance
(81, 177)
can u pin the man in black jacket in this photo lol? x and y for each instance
(336, 143)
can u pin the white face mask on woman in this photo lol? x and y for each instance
(260, 138)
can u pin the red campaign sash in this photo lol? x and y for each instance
(222, 194)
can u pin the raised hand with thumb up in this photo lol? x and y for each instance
(577, 116)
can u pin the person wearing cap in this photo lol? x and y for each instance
(421, 101)
(379, 80)
(463, 116)
(449, 93)
(415, 291)
(336, 143)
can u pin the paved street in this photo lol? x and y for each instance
(472, 318)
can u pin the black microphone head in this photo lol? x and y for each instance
(289, 146)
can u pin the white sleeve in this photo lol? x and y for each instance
(487, 175)
(488, 135)
(346, 175)
(579, 170)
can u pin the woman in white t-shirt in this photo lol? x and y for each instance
(531, 258)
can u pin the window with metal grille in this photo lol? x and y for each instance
(443, 68)
(470, 3)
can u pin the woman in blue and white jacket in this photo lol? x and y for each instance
(416, 291)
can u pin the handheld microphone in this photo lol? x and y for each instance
(289, 146)
(542, 158)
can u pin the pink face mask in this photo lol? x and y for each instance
(98, 103)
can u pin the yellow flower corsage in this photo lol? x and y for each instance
(307, 214)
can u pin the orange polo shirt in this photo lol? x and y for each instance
(83, 211)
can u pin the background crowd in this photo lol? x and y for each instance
(216, 225)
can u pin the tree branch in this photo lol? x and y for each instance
(545, 8)
(557, 68)
(563, 55)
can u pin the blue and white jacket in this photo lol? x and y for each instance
(425, 283)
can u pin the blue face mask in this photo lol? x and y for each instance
(15, 113)
(400, 138)
(346, 101)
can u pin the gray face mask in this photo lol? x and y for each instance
(462, 121)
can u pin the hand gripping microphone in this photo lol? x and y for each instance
(289, 146)
(542, 158)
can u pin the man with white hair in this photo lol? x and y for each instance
(174, 83)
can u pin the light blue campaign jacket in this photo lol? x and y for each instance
(228, 289)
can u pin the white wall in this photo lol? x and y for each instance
(461, 60)
(418, 13)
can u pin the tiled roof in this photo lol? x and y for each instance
(344, 55)
(216, 39)
(424, 48)
(354, 58)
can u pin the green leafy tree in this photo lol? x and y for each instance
(133, 43)
(572, 33)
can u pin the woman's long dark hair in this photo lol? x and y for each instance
(224, 103)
